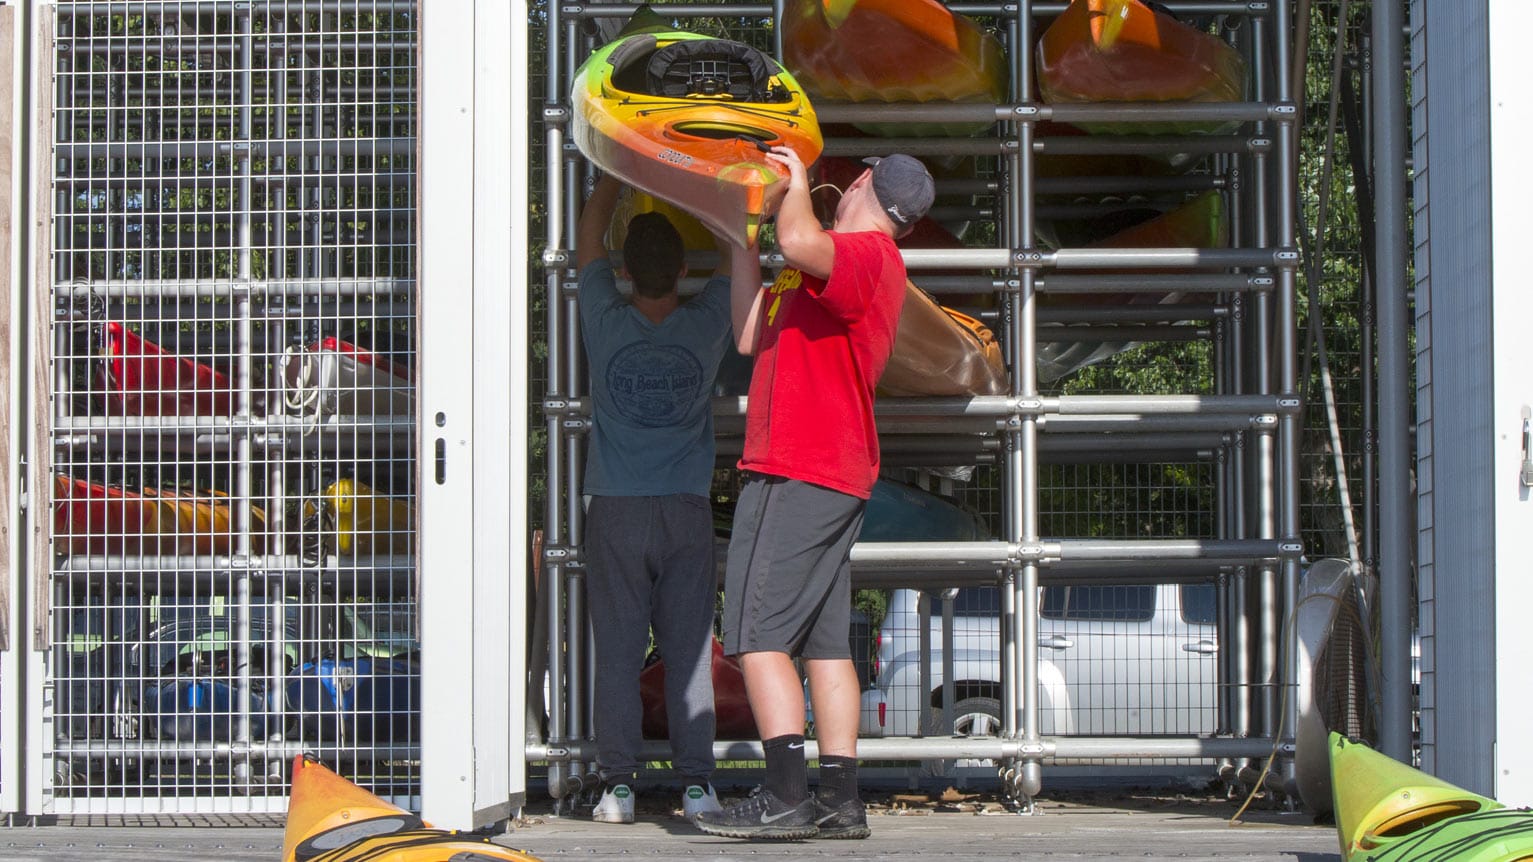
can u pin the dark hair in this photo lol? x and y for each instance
(653, 255)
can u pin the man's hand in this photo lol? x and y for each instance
(798, 175)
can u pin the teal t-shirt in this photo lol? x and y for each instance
(651, 384)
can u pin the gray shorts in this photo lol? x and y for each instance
(788, 582)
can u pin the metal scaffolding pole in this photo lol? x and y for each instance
(1288, 386)
(1391, 150)
(563, 778)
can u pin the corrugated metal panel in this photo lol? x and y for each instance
(1452, 156)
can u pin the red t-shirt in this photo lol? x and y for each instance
(822, 347)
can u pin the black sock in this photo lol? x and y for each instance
(787, 773)
(838, 779)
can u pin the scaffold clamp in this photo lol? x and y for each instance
(555, 256)
(561, 554)
(557, 406)
(556, 114)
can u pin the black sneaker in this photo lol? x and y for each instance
(847, 820)
(763, 815)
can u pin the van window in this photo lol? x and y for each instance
(1200, 604)
(972, 602)
(1117, 603)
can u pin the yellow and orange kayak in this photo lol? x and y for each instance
(1124, 51)
(941, 351)
(893, 51)
(90, 518)
(685, 117)
(330, 819)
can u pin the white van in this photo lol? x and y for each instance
(1114, 660)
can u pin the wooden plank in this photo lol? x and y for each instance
(40, 464)
(7, 192)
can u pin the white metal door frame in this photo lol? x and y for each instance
(1511, 115)
(473, 376)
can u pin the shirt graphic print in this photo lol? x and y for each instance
(654, 384)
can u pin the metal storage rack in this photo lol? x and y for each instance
(230, 360)
(1245, 427)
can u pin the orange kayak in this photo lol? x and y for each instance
(684, 117)
(893, 51)
(941, 351)
(140, 378)
(330, 819)
(1124, 51)
(99, 519)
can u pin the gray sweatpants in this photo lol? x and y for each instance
(650, 562)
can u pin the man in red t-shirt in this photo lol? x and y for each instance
(821, 334)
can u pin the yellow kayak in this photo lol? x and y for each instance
(1389, 812)
(354, 519)
(329, 819)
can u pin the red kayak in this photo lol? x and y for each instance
(139, 378)
(732, 710)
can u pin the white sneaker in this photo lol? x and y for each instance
(616, 805)
(698, 798)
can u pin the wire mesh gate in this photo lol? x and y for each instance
(1209, 495)
(231, 402)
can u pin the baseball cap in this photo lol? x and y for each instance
(903, 187)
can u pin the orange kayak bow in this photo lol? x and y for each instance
(329, 819)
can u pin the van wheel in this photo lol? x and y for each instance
(972, 717)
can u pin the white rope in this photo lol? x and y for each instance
(301, 391)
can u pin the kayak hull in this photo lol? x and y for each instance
(90, 518)
(894, 51)
(897, 512)
(360, 700)
(941, 351)
(699, 152)
(354, 520)
(1124, 51)
(330, 819)
(731, 708)
(1387, 811)
(1199, 223)
(332, 377)
(139, 378)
